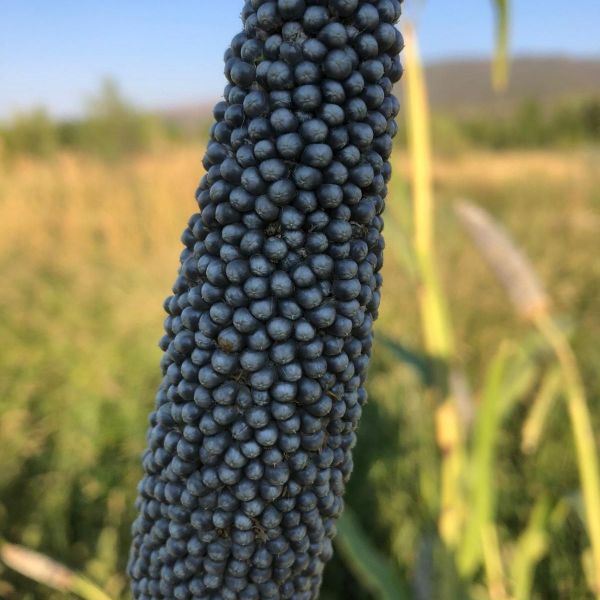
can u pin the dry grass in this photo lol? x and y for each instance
(124, 210)
(129, 204)
(80, 215)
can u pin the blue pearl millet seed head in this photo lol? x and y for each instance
(269, 328)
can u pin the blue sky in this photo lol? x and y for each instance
(170, 53)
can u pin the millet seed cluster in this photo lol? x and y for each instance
(269, 328)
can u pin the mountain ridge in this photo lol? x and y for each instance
(463, 85)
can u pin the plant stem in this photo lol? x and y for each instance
(435, 320)
(500, 63)
(587, 454)
(44, 570)
(529, 550)
(436, 326)
(494, 569)
(482, 488)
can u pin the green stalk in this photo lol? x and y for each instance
(541, 407)
(529, 550)
(500, 63)
(585, 445)
(492, 560)
(368, 565)
(483, 454)
(435, 321)
(453, 511)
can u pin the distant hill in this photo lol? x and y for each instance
(463, 86)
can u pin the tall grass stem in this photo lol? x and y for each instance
(585, 445)
(42, 569)
(500, 64)
(436, 326)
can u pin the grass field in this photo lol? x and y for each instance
(88, 251)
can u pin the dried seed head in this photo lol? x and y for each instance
(506, 261)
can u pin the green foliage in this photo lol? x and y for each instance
(374, 570)
(111, 128)
(114, 128)
(31, 133)
(531, 125)
(568, 123)
(73, 414)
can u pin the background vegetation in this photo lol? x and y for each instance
(112, 128)
(90, 215)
